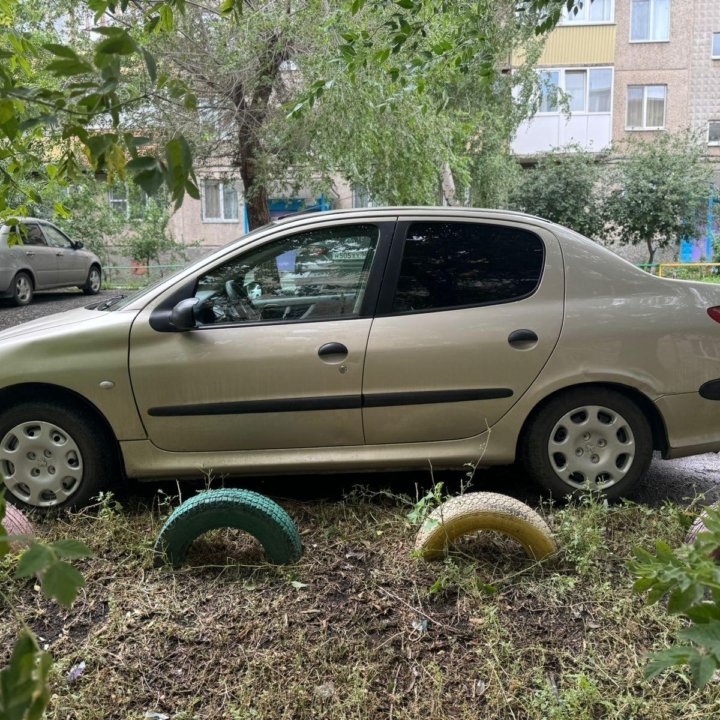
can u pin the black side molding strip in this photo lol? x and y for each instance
(432, 397)
(710, 390)
(337, 402)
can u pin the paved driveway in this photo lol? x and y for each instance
(46, 303)
(673, 480)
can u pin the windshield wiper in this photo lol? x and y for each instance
(105, 304)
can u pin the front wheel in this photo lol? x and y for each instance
(588, 439)
(94, 281)
(51, 457)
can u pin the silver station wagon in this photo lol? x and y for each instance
(369, 339)
(36, 255)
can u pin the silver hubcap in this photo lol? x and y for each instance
(40, 463)
(591, 447)
(94, 280)
(23, 289)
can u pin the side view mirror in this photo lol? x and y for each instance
(78, 245)
(183, 314)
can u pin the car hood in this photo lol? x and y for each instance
(52, 322)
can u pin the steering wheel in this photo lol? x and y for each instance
(239, 305)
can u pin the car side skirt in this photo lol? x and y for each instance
(143, 460)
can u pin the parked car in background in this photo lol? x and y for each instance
(36, 255)
(383, 338)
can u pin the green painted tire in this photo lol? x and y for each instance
(244, 510)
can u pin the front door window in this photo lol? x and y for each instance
(316, 275)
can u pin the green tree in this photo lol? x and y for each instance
(65, 96)
(660, 190)
(566, 186)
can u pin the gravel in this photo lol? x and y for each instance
(46, 303)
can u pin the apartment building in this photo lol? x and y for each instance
(629, 67)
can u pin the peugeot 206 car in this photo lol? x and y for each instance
(369, 339)
(36, 255)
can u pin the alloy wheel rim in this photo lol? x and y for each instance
(94, 280)
(23, 288)
(40, 463)
(591, 447)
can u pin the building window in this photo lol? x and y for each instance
(714, 133)
(594, 11)
(587, 90)
(220, 201)
(716, 46)
(650, 21)
(118, 199)
(646, 107)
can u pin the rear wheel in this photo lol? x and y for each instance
(51, 456)
(22, 289)
(588, 439)
(94, 281)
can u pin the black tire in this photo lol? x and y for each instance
(23, 289)
(621, 448)
(241, 509)
(93, 284)
(466, 514)
(80, 457)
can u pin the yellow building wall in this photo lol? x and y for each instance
(581, 45)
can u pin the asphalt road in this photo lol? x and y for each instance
(667, 480)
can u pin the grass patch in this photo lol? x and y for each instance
(359, 628)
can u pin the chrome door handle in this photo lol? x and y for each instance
(29, 254)
(60, 254)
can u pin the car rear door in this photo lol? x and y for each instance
(39, 256)
(72, 265)
(469, 313)
(277, 357)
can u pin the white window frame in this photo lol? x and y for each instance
(221, 202)
(568, 18)
(651, 23)
(117, 203)
(713, 143)
(644, 128)
(561, 85)
(712, 46)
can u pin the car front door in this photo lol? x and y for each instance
(277, 356)
(469, 313)
(72, 265)
(40, 257)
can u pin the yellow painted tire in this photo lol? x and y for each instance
(472, 512)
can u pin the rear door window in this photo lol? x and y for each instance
(463, 264)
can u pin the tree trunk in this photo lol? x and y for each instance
(448, 186)
(256, 196)
(651, 251)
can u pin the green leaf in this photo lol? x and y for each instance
(61, 581)
(660, 661)
(117, 45)
(61, 51)
(150, 180)
(71, 549)
(706, 635)
(356, 6)
(33, 561)
(703, 667)
(143, 162)
(69, 67)
(24, 690)
(680, 600)
(150, 64)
